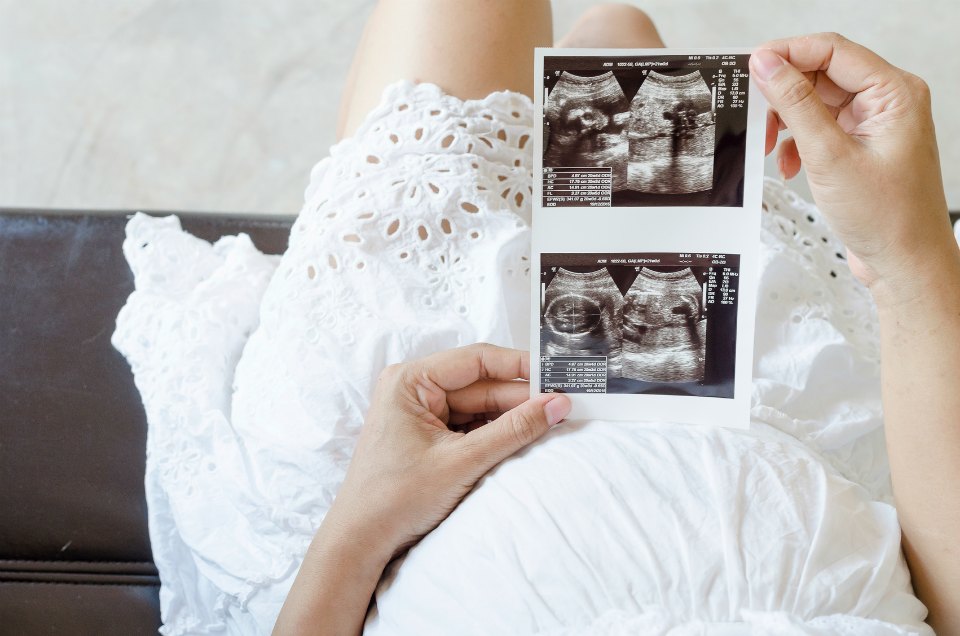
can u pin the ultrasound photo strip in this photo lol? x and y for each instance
(640, 153)
(662, 142)
(656, 332)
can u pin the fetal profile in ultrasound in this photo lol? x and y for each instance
(587, 117)
(667, 329)
(673, 135)
(664, 327)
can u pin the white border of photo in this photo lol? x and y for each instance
(707, 229)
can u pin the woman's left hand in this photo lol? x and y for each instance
(427, 441)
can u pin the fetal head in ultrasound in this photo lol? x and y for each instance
(582, 316)
(667, 131)
(662, 323)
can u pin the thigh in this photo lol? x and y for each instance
(470, 48)
(613, 25)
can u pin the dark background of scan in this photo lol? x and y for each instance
(721, 347)
(731, 132)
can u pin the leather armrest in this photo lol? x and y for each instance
(74, 548)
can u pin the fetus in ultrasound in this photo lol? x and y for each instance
(672, 135)
(664, 331)
(586, 117)
(573, 315)
(581, 317)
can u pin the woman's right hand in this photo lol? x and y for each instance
(863, 130)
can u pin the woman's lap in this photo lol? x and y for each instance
(414, 237)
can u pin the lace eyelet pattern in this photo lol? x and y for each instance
(817, 349)
(256, 371)
(403, 229)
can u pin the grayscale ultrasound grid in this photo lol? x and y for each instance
(638, 323)
(644, 131)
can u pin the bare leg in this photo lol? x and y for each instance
(470, 48)
(613, 25)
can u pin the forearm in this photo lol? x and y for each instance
(336, 581)
(920, 352)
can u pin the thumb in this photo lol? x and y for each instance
(516, 428)
(819, 138)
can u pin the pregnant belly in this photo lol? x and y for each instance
(675, 524)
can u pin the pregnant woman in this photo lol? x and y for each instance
(314, 418)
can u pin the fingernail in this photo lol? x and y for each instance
(765, 63)
(556, 409)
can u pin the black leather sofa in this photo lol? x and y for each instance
(74, 549)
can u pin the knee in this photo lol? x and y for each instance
(613, 25)
(622, 14)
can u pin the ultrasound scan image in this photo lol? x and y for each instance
(662, 323)
(670, 130)
(672, 135)
(582, 312)
(586, 117)
(664, 331)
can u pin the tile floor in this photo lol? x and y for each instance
(224, 105)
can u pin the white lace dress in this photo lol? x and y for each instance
(256, 370)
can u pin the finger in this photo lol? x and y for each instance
(852, 67)
(395, 384)
(829, 92)
(849, 120)
(773, 129)
(491, 444)
(486, 396)
(818, 137)
(788, 159)
(456, 368)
